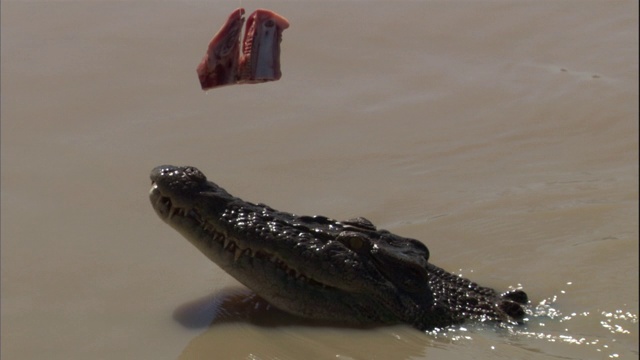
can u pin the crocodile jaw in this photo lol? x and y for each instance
(266, 267)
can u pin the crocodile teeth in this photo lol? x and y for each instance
(164, 204)
(194, 215)
(237, 254)
(173, 211)
(217, 237)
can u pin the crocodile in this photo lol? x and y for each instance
(347, 272)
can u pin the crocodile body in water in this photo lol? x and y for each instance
(318, 268)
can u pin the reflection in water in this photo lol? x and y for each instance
(233, 305)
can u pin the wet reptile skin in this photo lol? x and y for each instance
(318, 268)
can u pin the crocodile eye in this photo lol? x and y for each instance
(356, 243)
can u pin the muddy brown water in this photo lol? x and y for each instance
(502, 134)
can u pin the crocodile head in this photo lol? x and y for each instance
(311, 266)
(319, 268)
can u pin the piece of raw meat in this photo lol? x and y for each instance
(259, 60)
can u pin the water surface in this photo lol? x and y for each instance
(504, 135)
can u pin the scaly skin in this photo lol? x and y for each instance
(318, 268)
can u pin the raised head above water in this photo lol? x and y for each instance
(318, 268)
